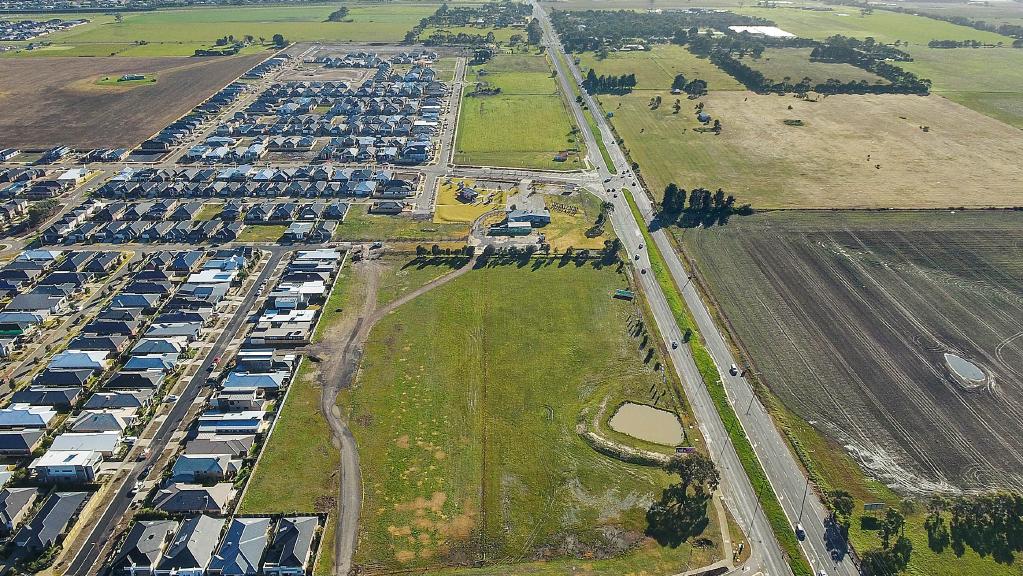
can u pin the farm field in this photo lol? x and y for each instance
(50, 101)
(852, 151)
(964, 75)
(993, 12)
(261, 232)
(655, 69)
(465, 415)
(189, 26)
(524, 126)
(848, 315)
(881, 25)
(794, 63)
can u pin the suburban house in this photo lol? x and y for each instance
(191, 549)
(15, 504)
(242, 550)
(201, 468)
(51, 522)
(18, 416)
(291, 553)
(66, 466)
(106, 443)
(20, 442)
(143, 547)
(179, 498)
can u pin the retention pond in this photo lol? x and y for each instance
(647, 423)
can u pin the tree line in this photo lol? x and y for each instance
(989, 524)
(699, 206)
(694, 87)
(609, 84)
(957, 44)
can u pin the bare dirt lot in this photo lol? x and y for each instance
(848, 316)
(49, 101)
(851, 151)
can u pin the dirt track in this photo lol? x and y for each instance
(341, 351)
(50, 101)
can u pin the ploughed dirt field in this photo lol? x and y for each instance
(848, 317)
(50, 101)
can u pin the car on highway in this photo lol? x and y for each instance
(637, 256)
(733, 370)
(642, 270)
(606, 180)
(800, 533)
(674, 344)
(821, 572)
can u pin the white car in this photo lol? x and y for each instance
(733, 370)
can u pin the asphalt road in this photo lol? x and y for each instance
(103, 529)
(800, 503)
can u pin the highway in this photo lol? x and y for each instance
(800, 503)
(103, 529)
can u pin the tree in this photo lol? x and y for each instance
(892, 524)
(435, 250)
(279, 41)
(842, 503)
(679, 83)
(420, 250)
(338, 15)
(533, 33)
(696, 471)
(674, 199)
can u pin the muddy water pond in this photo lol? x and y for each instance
(964, 368)
(647, 423)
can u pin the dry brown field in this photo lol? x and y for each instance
(50, 101)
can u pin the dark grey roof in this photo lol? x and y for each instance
(51, 520)
(148, 379)
(22, 441)
(50, 377)
(193, 498)
(43, 396)
(193, 544)
(143, 545)
(120, 399)
(243, 547)
(106, 343)
(293, 542)
(14, 501)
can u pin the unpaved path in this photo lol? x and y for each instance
(337, 370)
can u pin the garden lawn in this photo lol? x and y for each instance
(465, 414)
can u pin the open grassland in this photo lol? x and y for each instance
(370, 22)
(49, 101)
(867, 304)
(502, 35)
(852, 151)
(450, 209)
(524, 126)
(359, 224)
(993, 12)
(881, 25)
(655, 69)
(466, 414)
(780, 63)
(571, 217)
(988, 80)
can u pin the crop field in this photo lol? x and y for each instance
(49, 101)
(466, 413)
(794, 63)
(881, 25)
(963, 75)
(851, 151)
(524, 126)
(848, 317)
(179, 32)
(655, 69)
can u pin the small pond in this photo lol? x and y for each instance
(647, 423)
(964, 368)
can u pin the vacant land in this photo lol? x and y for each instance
(851, 151)
(452, 209)
(780, 63)
(49, 101)
(655, 69)
(262, 232)
(465, 413)
(361, 225)
(179, 32)
(571, 217)
(881, 25)
(848, 316)
(964, 75)
(524, 126)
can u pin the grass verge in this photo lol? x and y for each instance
(712, 380)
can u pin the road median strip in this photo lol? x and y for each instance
(783, 531)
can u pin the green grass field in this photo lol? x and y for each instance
(524, 126)
(655, 69)
(964, 75)
(465, 415)
(261, 232)
(179, 32)
(361, 225)
(881, 25)
(500, 34)
(794, 63)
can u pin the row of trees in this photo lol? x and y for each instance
(957, 44)
(990, 524)
(609, 84)
(704, 208)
